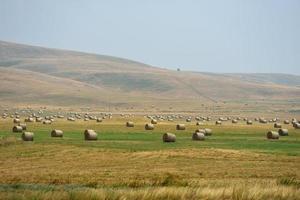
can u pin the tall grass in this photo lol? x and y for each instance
(242, 192)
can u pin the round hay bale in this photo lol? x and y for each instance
(153, 121)
(17, 129)
(286, 121)
(92, 118)
(208, 132)
(99, 120)
(39, 119)
(27, 136)
(90, 135)
(198, 136)
(277, 125)
(283, 132)
(249, 122)
(47, 122)
(218, 122)
(16, 121)
(199, 123)
(263, 121)
(29, 119)
(72, 119)
(169, 137)
(180, 127)
(23, 125)
(296, 125)
(57, 133)
(129, 124)
(188, 120)
(234, 121)
(273, 135)
(149, 126)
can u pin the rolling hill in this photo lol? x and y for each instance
(43, 76)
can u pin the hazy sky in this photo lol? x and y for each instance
(211, 35)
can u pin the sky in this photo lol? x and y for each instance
(232, 36)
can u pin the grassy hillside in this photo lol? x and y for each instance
(105, 79)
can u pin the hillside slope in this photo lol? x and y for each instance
(81, 78)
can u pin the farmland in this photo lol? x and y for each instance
(236, 162)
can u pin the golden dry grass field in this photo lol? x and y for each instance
(236, 162)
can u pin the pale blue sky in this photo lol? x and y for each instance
(211, 35)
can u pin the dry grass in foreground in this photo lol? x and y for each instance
(257, 192)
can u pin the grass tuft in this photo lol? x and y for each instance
(289, 181)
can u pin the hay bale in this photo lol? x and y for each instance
(92, 118)
(149, 126)
(90, 135)
(72, 119)
(47, 117)
(153, 121)
(199, 123)
(169, 137)
(249, 122)
(17, 129)
(47, 122)
(273, 135)
(283, 132)
(188, 120)
(38, 119)
(99, 120)
(57, 133)
(208, 132)
(29, 119)
(198, 136)
(296, 125)
(218, 122)
(286, 121)
(23, 125)
(16, 121)
(180, 127)
(129, 124)
(27, 136)
(277, 125)
(234, 121)
(263, 121)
